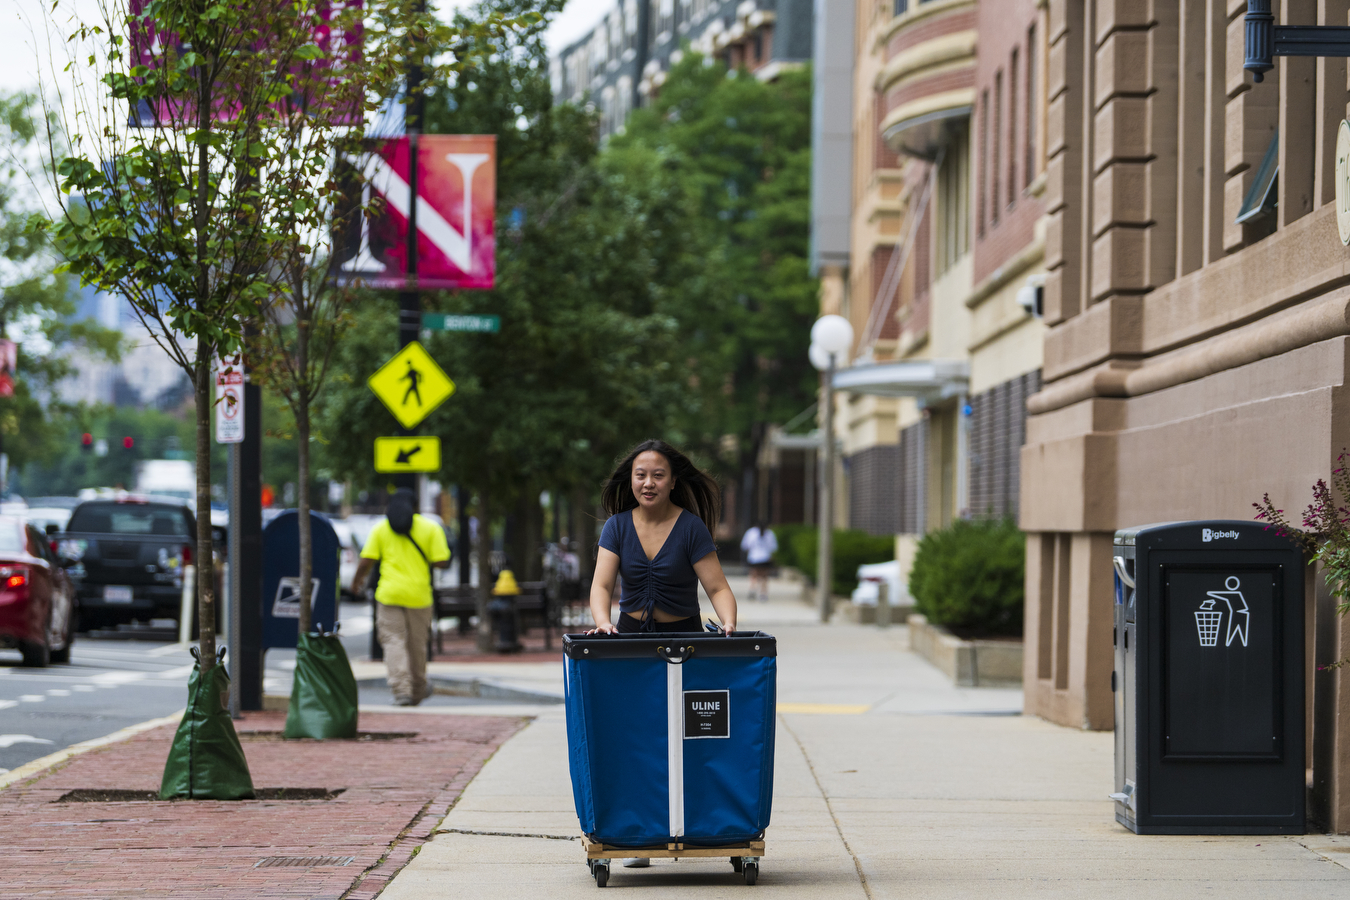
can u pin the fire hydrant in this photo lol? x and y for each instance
(502, 610)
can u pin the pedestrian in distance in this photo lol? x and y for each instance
(662, 513)
(759, 544)
(407, 546)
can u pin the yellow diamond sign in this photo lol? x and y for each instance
(411, 385)
(407, 454)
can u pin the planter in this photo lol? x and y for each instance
(866, 613)
(966, 663)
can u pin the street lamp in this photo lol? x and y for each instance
(831, 340)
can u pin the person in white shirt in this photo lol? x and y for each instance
(759, 544)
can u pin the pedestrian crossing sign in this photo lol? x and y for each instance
(411, 385)
(407, 454)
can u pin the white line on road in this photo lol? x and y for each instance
(58, 692)
(32, 698)
(6, 704)
(9, 740)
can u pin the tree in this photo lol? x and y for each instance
(735, 153)
(37, 306)
(187, 214)
(584, 364)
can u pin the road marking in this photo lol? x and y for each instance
(28, 770)
(113, 679)
(84, 688)
(58, 692)
(32, 698)
(179, 672)
(9, 740)
(6, 704)
(166, 650)
(824, 709)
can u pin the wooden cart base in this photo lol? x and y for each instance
(744, 857)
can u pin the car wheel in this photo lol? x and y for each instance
(63, 655)
(36, 656)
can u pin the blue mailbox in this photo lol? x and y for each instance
(281, 578)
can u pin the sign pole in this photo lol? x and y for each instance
(410, 298)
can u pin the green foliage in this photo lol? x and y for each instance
(728, 158)
(37, 306)
(786, 554)
(971, 575)
(69, 467)
(851, 549)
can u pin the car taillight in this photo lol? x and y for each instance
(14, 577)
(187, 555)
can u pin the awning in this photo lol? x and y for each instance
(929, 380)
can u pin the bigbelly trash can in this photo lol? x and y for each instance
(670, 740)
(1209, 680)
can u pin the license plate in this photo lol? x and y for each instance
(113, 593)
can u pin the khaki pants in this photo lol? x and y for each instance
(403, 634)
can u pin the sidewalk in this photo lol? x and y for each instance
(889, 782)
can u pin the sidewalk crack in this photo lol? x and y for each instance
(857, 864)
(516, 834)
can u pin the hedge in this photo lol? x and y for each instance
(851, 549)
(970, 576)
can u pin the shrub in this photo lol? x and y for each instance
(970, 576)
(786, 555)
(851, 549)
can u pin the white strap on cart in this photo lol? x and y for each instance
(675, 745)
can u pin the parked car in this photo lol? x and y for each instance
(47, 518)
(130, 552)
(348, 558)
(38, 611)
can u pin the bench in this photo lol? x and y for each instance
(533, 606)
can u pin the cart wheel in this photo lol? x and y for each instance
(736, 863)
(601, 875)
(751, 872)
(590, 864)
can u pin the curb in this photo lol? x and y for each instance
(29, 769)
(482, 688)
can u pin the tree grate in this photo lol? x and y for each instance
(268, 862)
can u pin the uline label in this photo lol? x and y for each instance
(707, 714)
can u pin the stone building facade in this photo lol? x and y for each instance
(1199, 316)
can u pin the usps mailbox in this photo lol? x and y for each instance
(1209, 680)
(281, 577)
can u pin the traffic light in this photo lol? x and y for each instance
(128, 443)
(86, 442)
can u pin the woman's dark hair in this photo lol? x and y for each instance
(693, 490)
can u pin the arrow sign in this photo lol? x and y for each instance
(407, 454)
(411, 385)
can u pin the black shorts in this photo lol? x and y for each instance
(629, 625)
(764, 568)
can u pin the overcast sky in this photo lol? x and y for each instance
(24, 43)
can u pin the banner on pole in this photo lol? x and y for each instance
(456, 206)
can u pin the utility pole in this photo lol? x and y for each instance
(410, 298)
(825, 562)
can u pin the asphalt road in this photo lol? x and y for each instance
(109, 684)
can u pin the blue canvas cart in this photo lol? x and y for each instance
(670, 739)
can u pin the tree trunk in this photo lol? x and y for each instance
(206, 585)
(485, 642)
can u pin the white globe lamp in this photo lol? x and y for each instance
(833, 334)
(819, 358)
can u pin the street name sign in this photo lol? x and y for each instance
(411, 385)
(230, 400)
(407, 454)
(446, 322)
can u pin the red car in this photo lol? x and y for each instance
(37, 599)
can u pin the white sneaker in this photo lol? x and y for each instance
(636, 862)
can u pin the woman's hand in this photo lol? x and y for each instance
(728, 628)
(606, 628)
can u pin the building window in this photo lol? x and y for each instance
(1030, 136)
(952, 202)
(995, 155)
(1012, 129)
(983, 162)
(901, 7)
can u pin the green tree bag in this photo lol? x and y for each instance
(205, 761)
(323, 694)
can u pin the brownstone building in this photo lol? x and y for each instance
(1198, 311)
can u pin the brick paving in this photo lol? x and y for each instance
(393, 793)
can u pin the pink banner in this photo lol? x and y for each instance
(456, 209)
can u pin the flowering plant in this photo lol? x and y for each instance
(1325, 534)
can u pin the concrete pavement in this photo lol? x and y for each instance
(889, 782)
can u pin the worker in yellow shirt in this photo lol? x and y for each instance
(406, 546)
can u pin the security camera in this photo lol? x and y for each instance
(1031, 296)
